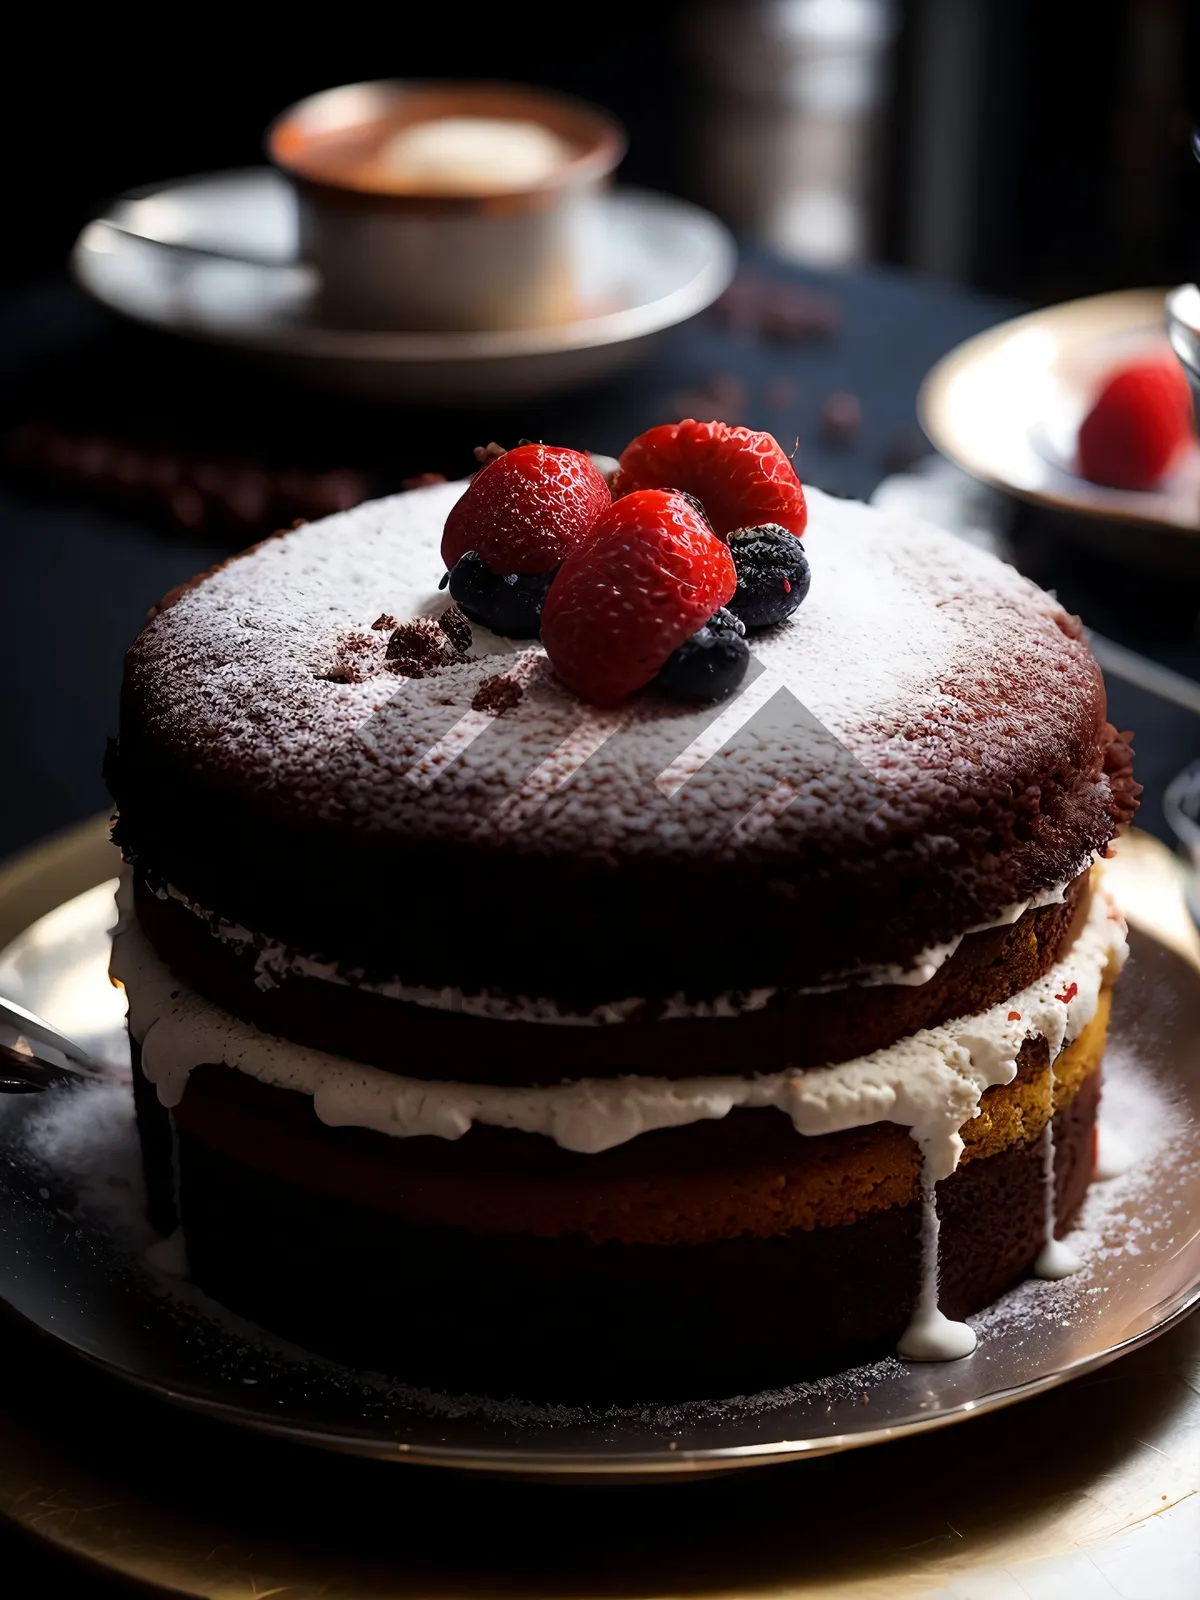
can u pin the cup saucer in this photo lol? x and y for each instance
(214, 258)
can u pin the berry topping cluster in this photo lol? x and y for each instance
(710, 664)
(654, 582)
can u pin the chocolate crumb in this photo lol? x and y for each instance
(453, 623)
(419, 648)
(841, 418)
(488, 452)
(423, 480)
(353, 661)
(384, 621)
(497, 695)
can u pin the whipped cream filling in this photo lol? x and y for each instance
(930, 1082)
(275, 961)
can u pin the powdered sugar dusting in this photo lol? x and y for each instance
(912, 649)
(89, 1136)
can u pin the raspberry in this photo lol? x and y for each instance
(526, 510)
(650, 576)
(741, 478)
(1140, 422)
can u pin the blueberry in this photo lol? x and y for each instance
(508, 603)
(772, 574)
(709, 665)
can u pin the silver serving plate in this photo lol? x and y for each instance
(214, 258)
(73, 1265)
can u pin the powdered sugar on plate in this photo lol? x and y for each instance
(1138, 1209)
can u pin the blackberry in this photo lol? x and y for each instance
(507, 603)
(772, 573)
(709, 665)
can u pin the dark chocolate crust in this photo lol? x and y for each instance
(265, 773)
(568, 1319)
(798, 1030)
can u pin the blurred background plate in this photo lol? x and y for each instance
(213, 258)
(1006, 406)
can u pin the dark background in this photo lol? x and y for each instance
(1048, 138)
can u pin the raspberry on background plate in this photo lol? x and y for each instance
(1140, 422)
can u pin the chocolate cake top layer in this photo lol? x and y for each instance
(922, 744)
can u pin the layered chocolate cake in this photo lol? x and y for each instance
(708, 995)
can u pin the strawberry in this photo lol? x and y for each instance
(1140, 422)
(741, 478)
(650, 575)
(526, 510)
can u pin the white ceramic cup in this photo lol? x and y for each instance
(397, 249)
